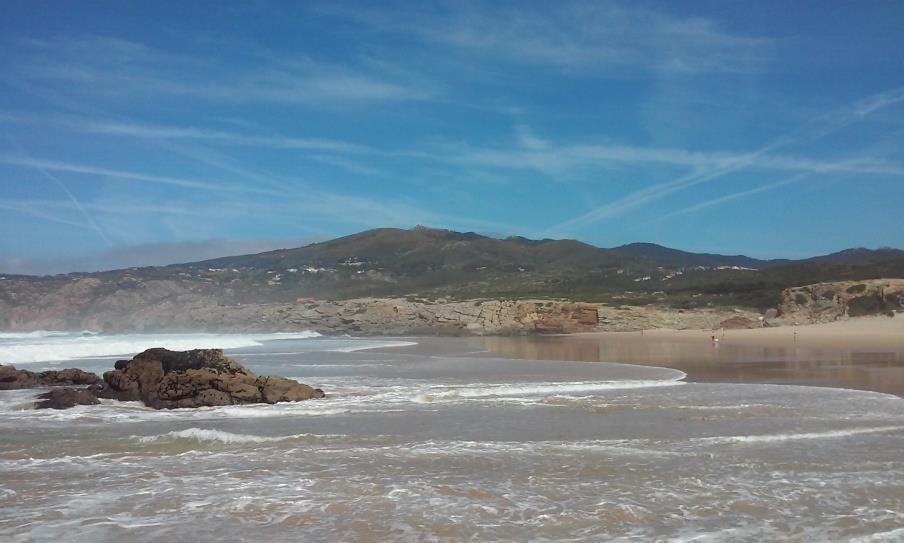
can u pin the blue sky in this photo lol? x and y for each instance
(147, 132)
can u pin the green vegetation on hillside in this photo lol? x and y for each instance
(440, 264)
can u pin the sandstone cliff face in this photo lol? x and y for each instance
(168, 306)
(400, 316)
(826, 302)
(634, 318)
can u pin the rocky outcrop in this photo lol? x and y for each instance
(12, 378)
(625, 318)
(388, 316)
(739, 322)
(165, 379)
(64, 398)
(826, 302)
(568, 317)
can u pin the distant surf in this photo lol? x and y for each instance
(52, 346)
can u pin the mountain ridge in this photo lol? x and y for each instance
(379, 245)
(654, 253)
(433, 264)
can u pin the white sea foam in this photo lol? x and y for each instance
(350, 366)
(43, 334)
(56, 346)
(538, 389)
(361, 345)
(774, 438)
(896, 534)
(287, 409)
(628, 447)
(209, 435)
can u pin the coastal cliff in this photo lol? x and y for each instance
(127, 312)
(827, 302)
(127, 304)
(662, 286)
(164, 307)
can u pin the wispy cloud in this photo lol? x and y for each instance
(120, 69)
(218, 137)
(557, 158)
(714, 202)
(326, 151)
(528, 140)
(41, 213)
(51, 165)
(529, 152)
(89, 219)
(820, 127)
(572, 35)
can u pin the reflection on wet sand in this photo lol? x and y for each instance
(707, 361)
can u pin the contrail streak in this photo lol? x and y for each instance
(824, 125)
(88, 218)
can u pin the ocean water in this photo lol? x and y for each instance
(448, 447)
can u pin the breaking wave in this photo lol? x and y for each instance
(776, 438)
(42, 334)
(219, 436)
(46, 346)
(361, 345)
(540, 389)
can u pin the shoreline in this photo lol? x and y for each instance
(866, 353)
(862, 333)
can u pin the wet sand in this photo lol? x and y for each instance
(863, 354)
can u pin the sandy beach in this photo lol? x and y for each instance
(865, 353)
(862, 334)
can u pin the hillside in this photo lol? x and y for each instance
(861, 255)
(675, 258)
(428, 264)
(424, 250)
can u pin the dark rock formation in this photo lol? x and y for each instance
(64, 398)
(165, 379)
(12, 379)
